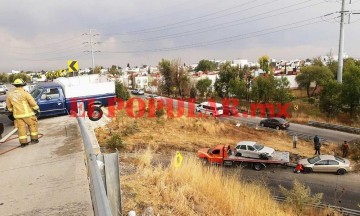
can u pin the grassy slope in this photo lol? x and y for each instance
(189, 134)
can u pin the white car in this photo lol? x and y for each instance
(152, 96)
(3, 89)
(253, 149)
(137, 92)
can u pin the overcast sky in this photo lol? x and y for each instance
(44, 34)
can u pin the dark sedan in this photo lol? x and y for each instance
(277, 123)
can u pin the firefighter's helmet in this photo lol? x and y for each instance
(19, 82)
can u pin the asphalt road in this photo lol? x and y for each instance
(327, 134)
(337, 190)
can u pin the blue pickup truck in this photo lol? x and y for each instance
(77, 94)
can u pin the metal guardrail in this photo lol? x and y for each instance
(335, 127)
(343, 211)
(97, 188)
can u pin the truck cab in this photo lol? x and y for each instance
(214, 155)
(50, 98)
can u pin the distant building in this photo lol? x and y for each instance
(15, 71)
(241, 62)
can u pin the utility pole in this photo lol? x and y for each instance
(92, 51)
(91, 35)
(341, 44)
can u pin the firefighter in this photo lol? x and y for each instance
(23, 107)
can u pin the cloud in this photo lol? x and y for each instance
(40, 34)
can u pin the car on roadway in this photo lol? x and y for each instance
(326, 163)
(253, 149)
(210, 108)
(137, 92)
(230, 110)
(277, 123)
(3, 89)
(152, 96)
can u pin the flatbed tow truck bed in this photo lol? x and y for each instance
(219, 155)
(279, 158)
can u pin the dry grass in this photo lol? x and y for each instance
(310, 112)
(194, 189)
(189, 134)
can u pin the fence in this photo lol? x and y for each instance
(97, 188)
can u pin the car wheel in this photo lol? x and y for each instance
(341, 171)
(258, 166)
(308, 170)
(277, 127)
(238, 154)
(262, 125)
(95, 114)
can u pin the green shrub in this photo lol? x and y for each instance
(130, 129)
(311, 100)
(160, 113)
(299, 196)
(115, 142)
(121, 91)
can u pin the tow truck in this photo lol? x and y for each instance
(223, 155)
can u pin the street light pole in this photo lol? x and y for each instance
(341, 44)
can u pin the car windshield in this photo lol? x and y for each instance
(36, 92)
(219, 108)
(258, 147)
(313, 159)
(340, 159)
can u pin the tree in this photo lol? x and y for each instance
(330, 98)
(318, 75)
(114, 70)
(193, 92)
(300, 196)
(263, 88)
(22, 76)
(282, 93)
(4, 77)
(203, 86)
(97, 70)
(317, 62)
(205, 65)
(264, 63)
(174, 78)
(351, 88)
(227, 73)
(237, 87)
(121, 91)
(166, 72)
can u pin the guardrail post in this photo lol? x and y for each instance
(112, 176)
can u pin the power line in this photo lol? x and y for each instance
(232, 38)
(175, 25)
(223, 25)
(49, 44)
